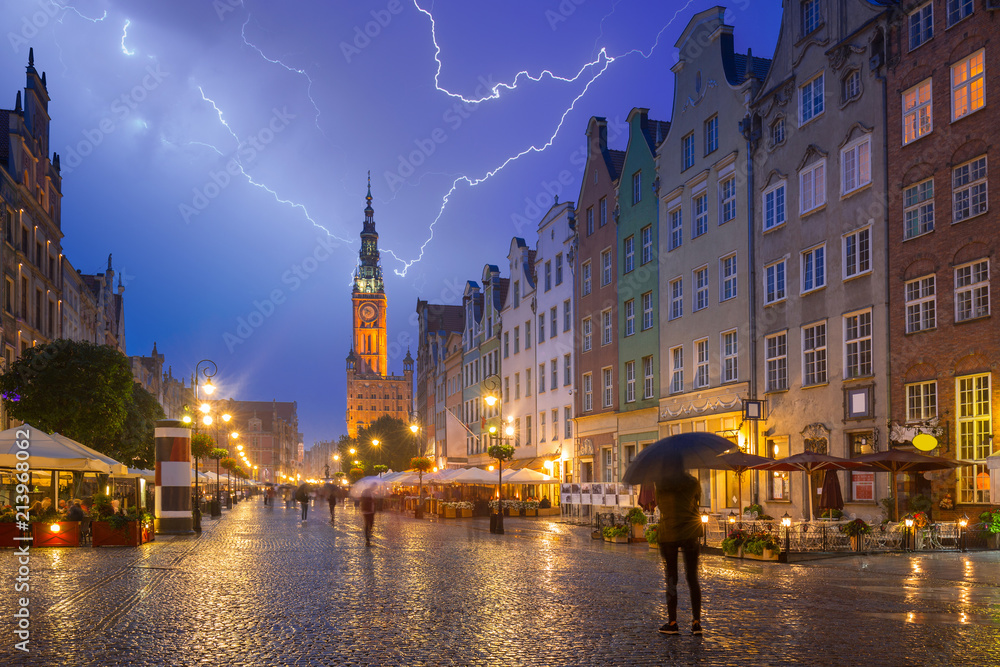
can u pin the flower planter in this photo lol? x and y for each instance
(8, 531)
(617, 539)
(856, 541)
(450, 512)
(767, 555)
(68, 534)
(548, 511)
(466, 513)
(530, 512)
(638, 531)
(736, 554)
(103, 535)
(654, 545)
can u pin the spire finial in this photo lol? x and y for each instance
(31, 57)
(369, 197)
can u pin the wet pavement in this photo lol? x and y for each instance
(259, 588)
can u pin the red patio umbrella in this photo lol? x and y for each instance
(647, 497)
(902, 460)
(831, 497)
(808, 462)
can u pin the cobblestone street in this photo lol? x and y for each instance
(259, 588)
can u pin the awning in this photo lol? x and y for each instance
(537, 464)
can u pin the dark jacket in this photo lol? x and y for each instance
(678, 504)
(75, 513)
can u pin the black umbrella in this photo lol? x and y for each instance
(664, 458)
(830, 497)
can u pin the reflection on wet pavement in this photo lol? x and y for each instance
(260, 588)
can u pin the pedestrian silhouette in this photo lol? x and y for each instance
(678, 495)
(368, 513)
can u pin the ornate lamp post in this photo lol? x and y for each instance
(704, 529)
(209, 388)
(786, 521)
(501, 450)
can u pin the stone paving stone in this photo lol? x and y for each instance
(259, 588)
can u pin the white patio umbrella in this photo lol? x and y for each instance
(47, 452)
(115, 467)
(374, 483)
(528, 476)
(475, 476)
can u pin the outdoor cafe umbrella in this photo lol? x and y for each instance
(830, 498)
(528, 476)
(738, 462)
(697, 449)
(647, 497)
(373, 482)
(53, 452)
(809, 462)
(901, 460)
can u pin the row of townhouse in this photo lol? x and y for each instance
(800, 260)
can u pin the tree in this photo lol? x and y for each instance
(78, 389)
(396, 445)
(501, 453)
(134, 447)
(421, 464)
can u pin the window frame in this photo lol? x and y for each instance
(630, 381)
(864, 343)
(928, 27)
(646, 238)
(636, 187)
(969, 185)
(699, 214)
(675, 217)
(587, 325)
(607, 327)
(729, 346)
(815, 354)
(676, 369)
(780, 293)
(727, 203)
(773, 191)
(854, 152)
(607, 268)
(918, 398)
(608, 386)
(969, 84)
(647, 310)
(863, 253)
(699, 277)
(809, 88)
(923, 203)
(628, 254)
(816, 171)
(676, 287)
(920, 303)
(586, 278)
(629, 311)
(712, 134)
(687, 151)
(817, 274)
(776, 364)
(728, 277)
(588, 392)
(701, 358)
(972, 288)
(648, 373)
(916, 111)
(961, 5)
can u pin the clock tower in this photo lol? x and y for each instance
(369, 300)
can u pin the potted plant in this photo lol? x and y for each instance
(464, 509)
(530, 507)
(653, 535)
(8, 527)
(732, 545)
(991, 522)
(637, 519)
(617, 534)
(117, 529)
(450, 511)
(855, 530)
(760, 546)
(49, 531)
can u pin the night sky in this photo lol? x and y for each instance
(219, 150)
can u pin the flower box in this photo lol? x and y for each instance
(767, 555)
(465, 513)
(530, 512)
(736, 554)
(66, 535)
(8, 531)
(653, 545)
(617, 539)
(103, 535)
(549, 511)
(449, 512)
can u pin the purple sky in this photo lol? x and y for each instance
(154, 100)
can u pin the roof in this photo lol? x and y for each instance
(616, 163)
(759, 66)
(658, 130)
(4, 138)
(500, 292)
(529, 267)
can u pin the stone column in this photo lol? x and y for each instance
(173, 478)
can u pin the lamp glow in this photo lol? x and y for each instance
(205, 407)
(491, 400)
(226, 417)
(207, 420)
(209, 387)
(54, 528)
(186, 419)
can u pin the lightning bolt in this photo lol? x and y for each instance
(125, 50)
(604, 60)
(251, 181)
(77, 12)
(301, 72)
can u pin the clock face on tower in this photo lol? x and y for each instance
(368, 313)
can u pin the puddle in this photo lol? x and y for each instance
(923, 618)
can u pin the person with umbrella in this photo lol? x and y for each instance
(678, 497)
(331, 498)
(368, 513)
(302, 496)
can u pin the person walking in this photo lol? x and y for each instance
(331, 499)
(302, 496)
(678, 495)
(368, 514)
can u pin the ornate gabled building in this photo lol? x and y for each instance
(371, 391)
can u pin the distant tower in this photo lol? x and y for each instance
(368, 297)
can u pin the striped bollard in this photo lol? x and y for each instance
(173, 478)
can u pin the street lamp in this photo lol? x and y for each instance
(906, 537)
(375, 444)
(209, 388)
(704, 529)
(962, 523)
(495, 398)
(786, 521)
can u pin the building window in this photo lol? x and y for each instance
(701, 363)
(636, 187)
(676, 370)
(855, 166)
(918, 209)
(609, 387)
(587, 334)
(730, 359)
(812, 187)
(857, 253)
(567, 315)
(700, 288)
(559, 269)
(8, 297)
(585, 278)
(604, 211)
(647, 311)
(676, 298)
(517, 341)
(676, 228)
(975, 442)
(700, 215)
(778, 487)
(541, 328)
(628, 252)
(918, 115)
(688, 151)
(921, 304)
(590, 220)
(850, 86)
(541, 427)
(608, 457)
(646, 236)
(548, 275)
(811, 99)
(776, 360)
(858, 345)
(814, 354)
(629, 381)
(958, 10)
(606, 330)
(554, 370)
(711, 134)
(969, 189)
(727, 270)
(774, 282)
(567, 370)
(606, 273)
(810, 16)
(541, 379)
(777, 132)
(813, 268)
(527, 382)
(568, 421)
(527, 430)
(968, 92)
(517, 293)
(506, 391)
(727, 198)
(630, 317)
(921, 25)
(506, 343)
(647, 373)
(972, 290)
(553, 321)
(921, 401)
(774, 206)
(588, 392)
(517, 386)
(527, 334)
